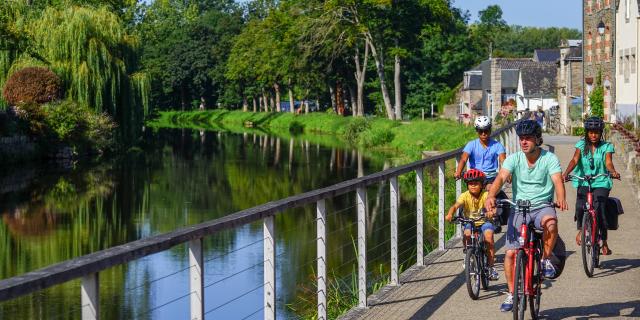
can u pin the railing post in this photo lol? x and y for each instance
(419, 218)
(196, 279)
(322, 258)
(269, 269)
(458, 192)
(394, 199)
(441, 205)
(362, 246)
(90, 297)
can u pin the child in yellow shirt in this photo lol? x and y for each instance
(472, 204)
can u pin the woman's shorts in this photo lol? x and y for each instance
(485, 226)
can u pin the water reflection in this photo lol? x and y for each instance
(184, 177)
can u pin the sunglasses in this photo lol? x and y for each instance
(485, 131)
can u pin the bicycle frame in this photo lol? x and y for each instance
(527, 232)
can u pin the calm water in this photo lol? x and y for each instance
(184, 177)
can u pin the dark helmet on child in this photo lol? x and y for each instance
(594, 124)
(474, 175)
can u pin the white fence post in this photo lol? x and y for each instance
(321, 224)
(269, 269)
(362, 247)
(441, 205)
(419, 218)
(196, 279)
(90, 297)
(458, 192)
(394, 199)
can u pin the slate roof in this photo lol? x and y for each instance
(544, 55)
(517, 63)
(510, 79)
(541, 79)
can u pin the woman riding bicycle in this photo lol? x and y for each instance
(593, 156)
(484, 153)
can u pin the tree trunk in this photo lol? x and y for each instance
(352, 98)
(333, 99)
(272, 102)
(254, 104)
(396, 82)
(380, 68)
(276, 88)
(292, 108)
(245, 103)
(202, 103)
(265, 100)
(306, 102)
(339, 100)
(360, 77)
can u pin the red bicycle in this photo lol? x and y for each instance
(591, 234)
(528, 267)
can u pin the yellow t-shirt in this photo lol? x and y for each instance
(472, 206)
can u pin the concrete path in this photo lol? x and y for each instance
(438, 291)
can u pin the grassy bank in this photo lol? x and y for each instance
(402, 140)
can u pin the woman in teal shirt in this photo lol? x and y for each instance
(593, 156)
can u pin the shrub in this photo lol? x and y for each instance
(354, 128)
(375, 137)
(33, 85)
(80, 127)
(296, 127)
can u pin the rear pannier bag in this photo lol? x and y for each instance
(613, 209)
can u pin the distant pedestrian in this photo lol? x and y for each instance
(539, 117)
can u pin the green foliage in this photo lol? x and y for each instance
(596, 101)
(355, 128)
(32, 85)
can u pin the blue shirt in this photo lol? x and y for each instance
(484, 158)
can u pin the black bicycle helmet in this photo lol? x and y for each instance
(594, 124)
(529, 128)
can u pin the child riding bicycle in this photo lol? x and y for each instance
(593, 156)
(472, 203)
(536, 176)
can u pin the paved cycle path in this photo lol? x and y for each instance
(438, 291)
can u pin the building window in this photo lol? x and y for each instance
(626, 68)
(620, 63)
(607, 3)
(627, 10)
(633, 61)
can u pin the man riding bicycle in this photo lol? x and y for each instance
(536, 175)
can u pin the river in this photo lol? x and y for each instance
(179, 178)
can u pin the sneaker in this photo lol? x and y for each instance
(548, 270)
(507, 305)
(493, 274)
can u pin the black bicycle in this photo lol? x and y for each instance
(476, 260)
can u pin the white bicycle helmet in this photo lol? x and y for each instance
(482, 123)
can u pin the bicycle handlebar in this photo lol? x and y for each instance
(588, 177)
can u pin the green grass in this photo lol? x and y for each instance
(404, 141)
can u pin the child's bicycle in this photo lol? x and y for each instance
(475, 261)
(591, 233)
(528, 267)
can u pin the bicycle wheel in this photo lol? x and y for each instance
(536, 284)
(519, 301)
(472, 273)
(587, 245)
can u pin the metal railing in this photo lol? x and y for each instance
(89, 266)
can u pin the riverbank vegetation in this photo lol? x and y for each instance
(404, 140)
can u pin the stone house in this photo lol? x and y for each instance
(626, 49)
(537, 85)
(471, 95)
(570, 99)
(599, 29)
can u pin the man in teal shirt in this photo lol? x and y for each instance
(536, 175)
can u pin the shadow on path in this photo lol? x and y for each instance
(615, 266)
(605, 310)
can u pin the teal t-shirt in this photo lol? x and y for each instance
(583, 166)
(533, 184)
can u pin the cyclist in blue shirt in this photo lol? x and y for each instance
(484, 153)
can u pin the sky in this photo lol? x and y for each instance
(538, 13)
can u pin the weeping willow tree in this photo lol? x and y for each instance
(92, 53)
